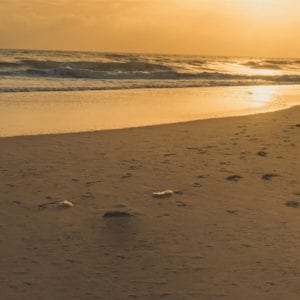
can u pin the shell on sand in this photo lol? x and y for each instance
(65, 204)
(162, 194)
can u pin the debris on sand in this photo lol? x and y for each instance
(163, 194)
(117, 214)
(269, 176)
(234, 178)
(293, 203)
(57, 204)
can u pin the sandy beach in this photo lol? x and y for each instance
(229, 231)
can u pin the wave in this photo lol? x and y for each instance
(47, 70)
(263, 65)
(100, 66)
(133, 84)
(272, 64)
(163, 75)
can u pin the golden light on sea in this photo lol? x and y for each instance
(261, 95)
(252, 71)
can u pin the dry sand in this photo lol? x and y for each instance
(214, 239)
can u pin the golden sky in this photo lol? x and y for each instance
(209, 27)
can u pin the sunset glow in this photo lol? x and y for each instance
(214, 27)
(149, 149)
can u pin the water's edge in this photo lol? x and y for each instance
(41, 113)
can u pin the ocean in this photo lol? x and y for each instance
(33, 70)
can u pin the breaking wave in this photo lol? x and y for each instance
(24, 70)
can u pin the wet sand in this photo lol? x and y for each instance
(36, 113)
(230, 230)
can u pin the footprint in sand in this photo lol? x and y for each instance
(294, 126)
(89, 183)
(169, 154)
(117, 214)
(127, 175)
(225, 163)
(253, 139)
(178, 192)
(293, 204)
(232, 211)
(269, 176)
(87, 195)
(202, 152)
(193, 148)
(180, 204)
(134, 167)
(17, 202)
(120, 206)
(165, 161)
(234, 178)
(262, 153)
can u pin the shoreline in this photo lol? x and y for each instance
(55, 113)
(230, 230)
(278, 84)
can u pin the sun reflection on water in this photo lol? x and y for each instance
(261, 95)
(256, 72)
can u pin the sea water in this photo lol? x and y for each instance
(56, 92)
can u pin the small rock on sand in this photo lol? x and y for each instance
(163, 194)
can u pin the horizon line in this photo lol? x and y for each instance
(147, 53)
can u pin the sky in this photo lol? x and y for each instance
(208, 27)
